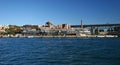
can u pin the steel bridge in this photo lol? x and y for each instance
(95, 25)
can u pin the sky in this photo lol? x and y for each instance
(38, 12)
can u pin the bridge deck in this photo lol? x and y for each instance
(95, 25)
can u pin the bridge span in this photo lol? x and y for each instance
(101, 28)
(95, 25)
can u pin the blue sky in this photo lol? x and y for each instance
(20, 12)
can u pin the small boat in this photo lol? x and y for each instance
(30, 36)
(111, 36)
(100, 36)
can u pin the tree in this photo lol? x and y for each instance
(117, 29)
(97, 32)
(14, 30)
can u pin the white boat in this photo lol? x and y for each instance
(111, 36)
(83, 35)
(100, 36)
(30, 36)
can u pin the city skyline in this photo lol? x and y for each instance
(20, 12)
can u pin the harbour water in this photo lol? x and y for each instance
(59, 51)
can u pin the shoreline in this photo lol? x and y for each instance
(87, 36)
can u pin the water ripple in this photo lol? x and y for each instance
(59, 51)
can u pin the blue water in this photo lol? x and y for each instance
(59, 51)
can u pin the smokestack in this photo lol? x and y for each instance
(81, 24)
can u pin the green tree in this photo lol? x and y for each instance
(97, 32)
(117, 29)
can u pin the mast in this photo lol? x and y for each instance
(81, 24)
